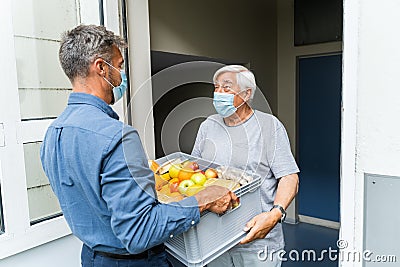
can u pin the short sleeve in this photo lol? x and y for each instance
(283, 162)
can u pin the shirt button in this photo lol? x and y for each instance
(171, 236)
(193, 222)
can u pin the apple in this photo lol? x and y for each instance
(191, 164)
(198, 178)
(183, 186)
(211, 173)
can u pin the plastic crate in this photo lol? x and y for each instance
(215, 234)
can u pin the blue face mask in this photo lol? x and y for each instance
(223, 103)
(118, 91)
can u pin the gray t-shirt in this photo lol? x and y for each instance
(258, 145)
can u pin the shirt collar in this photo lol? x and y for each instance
(82, 98)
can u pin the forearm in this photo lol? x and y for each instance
(147, 226)
(261, 224)
(287, 190)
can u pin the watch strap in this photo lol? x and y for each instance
(282, 211)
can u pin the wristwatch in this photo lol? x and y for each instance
(282, 211)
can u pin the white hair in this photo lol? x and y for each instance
(244, 77)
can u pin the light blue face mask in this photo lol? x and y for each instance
(223, 103)
(118, 91)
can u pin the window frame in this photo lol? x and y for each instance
(19, 234)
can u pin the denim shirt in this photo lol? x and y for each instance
(99, 172)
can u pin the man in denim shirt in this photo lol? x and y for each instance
(97, 167)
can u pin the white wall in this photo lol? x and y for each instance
(64, 252)
(378, 137)
(371, 91)
(140, 72)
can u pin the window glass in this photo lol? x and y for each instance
(43, 87)
(43, 203)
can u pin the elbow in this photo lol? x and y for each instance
(293, 181)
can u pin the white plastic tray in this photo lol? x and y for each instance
(214, 234)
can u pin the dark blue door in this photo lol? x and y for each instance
(318, 147)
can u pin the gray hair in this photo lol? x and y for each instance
(82, 45)
(244, 77)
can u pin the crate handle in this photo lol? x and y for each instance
(231, 210)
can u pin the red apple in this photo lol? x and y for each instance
(191, 164)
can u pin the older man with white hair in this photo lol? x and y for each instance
(257, 142)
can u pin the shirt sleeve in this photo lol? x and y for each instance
(283, 162)
(137, 218)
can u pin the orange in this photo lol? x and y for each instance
(185, 174)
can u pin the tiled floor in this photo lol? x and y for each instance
(302, 240)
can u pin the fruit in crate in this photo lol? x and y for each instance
(153, 165)
(184, 185)
(179, 178)
(173, 185)
(166, 196)
(185, 173)
(198, 178)
(159, 181)
(174, 171)
(211, 173)
(187, 169)
(164, 168)
(166, 176)
(190, 164)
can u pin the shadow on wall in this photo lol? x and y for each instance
(182, 98)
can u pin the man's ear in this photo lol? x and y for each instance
(98, 65)
(248, 94)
